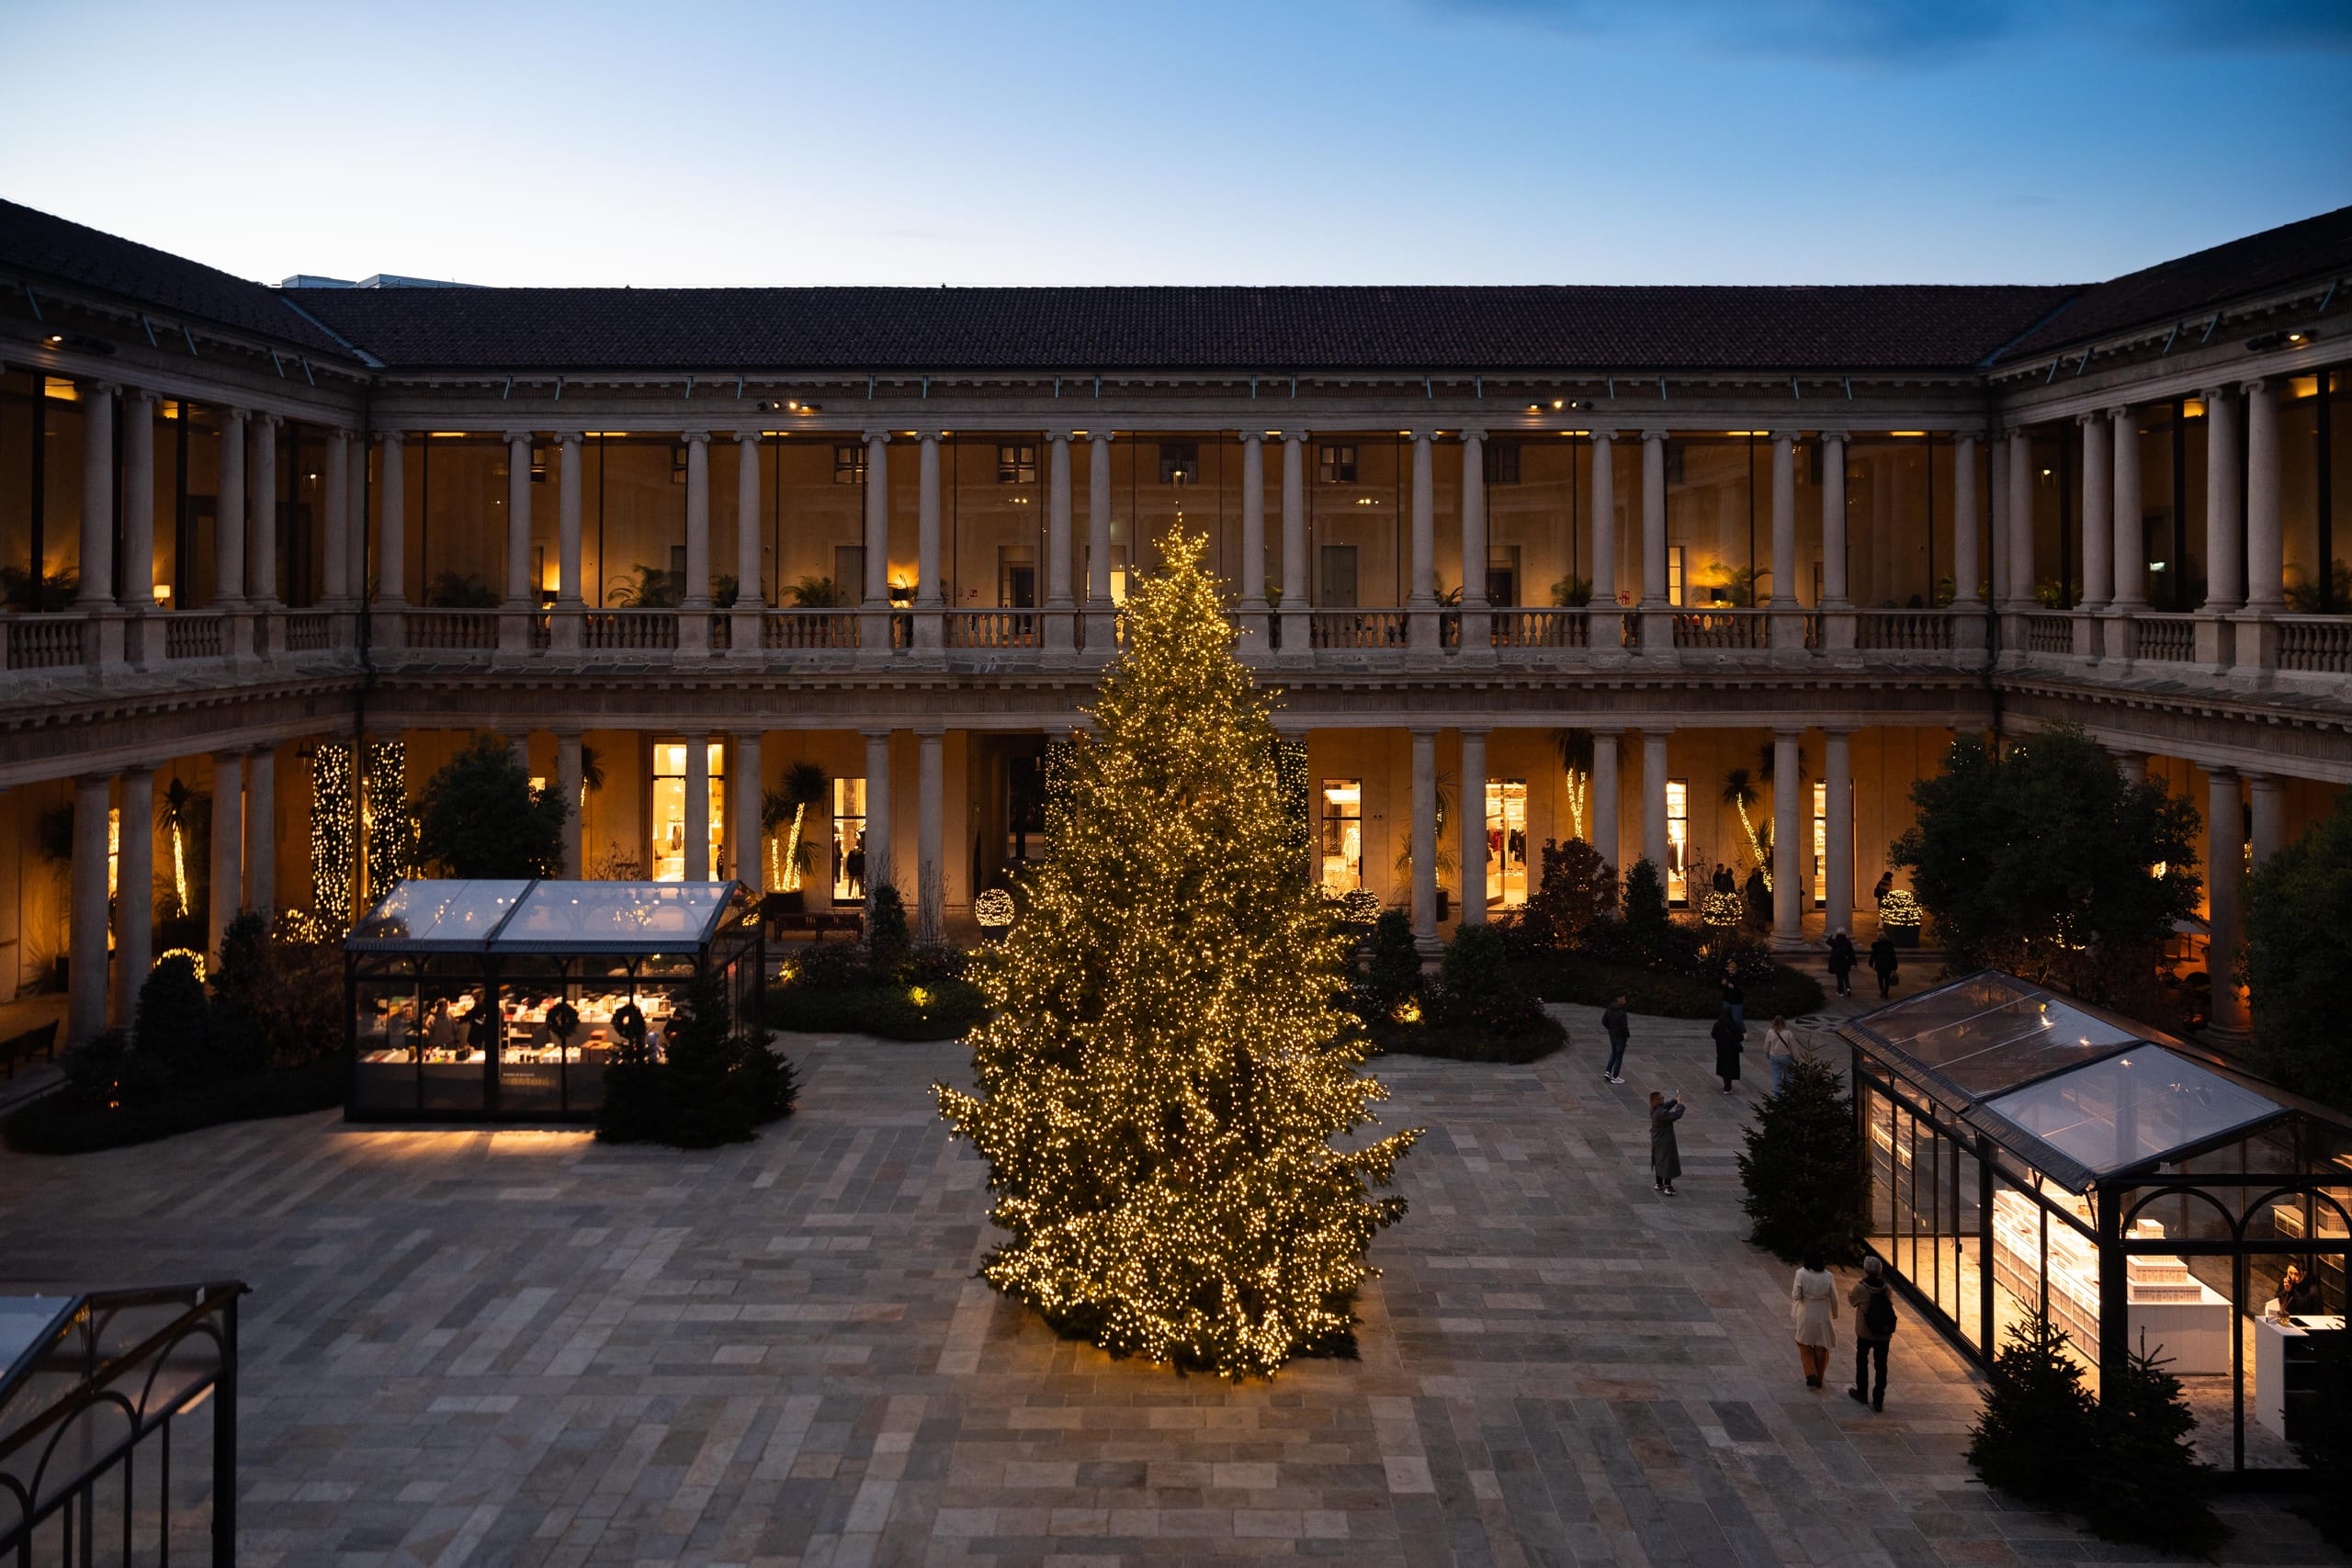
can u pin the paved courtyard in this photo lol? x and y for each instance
(521, 1347)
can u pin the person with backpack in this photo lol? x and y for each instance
(1885, 959)
(1873, 1300)
(1841, 961)
(1615, 1024)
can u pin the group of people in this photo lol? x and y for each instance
(1812, 1307)
(1884, 962)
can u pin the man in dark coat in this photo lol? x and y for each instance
(1884, 960)
(1841, 961)
(1666, 1153)
(1615, 1024)
(1730, 1039)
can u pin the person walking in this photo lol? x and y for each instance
(1813, 1304)
(1666, 1154)
(1841, 961)
(1613, 1023)
(1885, 959)
(1736, 997)
(1885, 886)
(1873, 1303)
(1780, 1052)
(1730, 1040)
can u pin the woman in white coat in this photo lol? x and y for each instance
(1813, 1303)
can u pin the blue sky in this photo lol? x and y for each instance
(1389, 141)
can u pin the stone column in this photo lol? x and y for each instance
(1059, 603)
(335, 531)
(1788, 841)
(2225, 545)
(1605, 635)
(1253, 543)
(750, 594)
(696, 864)
(2129, 574)
(522, 593)
(563, 627)
(930, 583)
(261, 510)
(2266, 565)
(874, 634)
(745, 781)
(261, 833)
(86, 964)
(1787, 606)
(1997, 510)
(1298, 642)
(139, 502)
(1967, 551)
(1472, 814)
(1657, 622)
(931, 797)
(1424, 840)
(1099, 609)
(391, 525)
(1836, 604)
(2269, 792)
(1605, 840)
(2133, 766)
(1654, 766)
(2225, 880)
(97, 518)
(568, 770)
(1477, 624)
(2020, 520)
(1838, 830)
(2098, 518)
(693, 597)
(1420, 585)
(229, 516)
(879, 869)
(134, 892)
(228, 848)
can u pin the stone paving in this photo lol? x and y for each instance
(521, 1347)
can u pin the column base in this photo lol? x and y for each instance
(2257, 644)
(513, 631)
(2118, 634)
(2217, 643)
(746, 625)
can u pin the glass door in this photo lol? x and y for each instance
(1506, 843)
(670, 809)
(849, 841)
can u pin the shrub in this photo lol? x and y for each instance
(1393, 976)
(2298, 959)
(2149, 1485)
(1588, 981)
(173, 1020)
(631, 1110)
(1479, 985)
(1577, 889)
(2039, 1422)
(828, 966)
(479, 817)
(703, 1098)
(48, 1127)
(1803, 1171)
(1646, 917)
(887, 945)
(866, 1006)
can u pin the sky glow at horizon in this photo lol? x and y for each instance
(1392, 140)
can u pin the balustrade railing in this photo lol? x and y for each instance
(2318, 645)
(309, 631)
(46, 642)
(1722, 629)
(995, 628)
(2163, 639)
(446, 631)
(630, 630)
(2047, 633)
(1902, 631)
(1540, 628)
(797, 630)
(1357, 628)
(191, 635)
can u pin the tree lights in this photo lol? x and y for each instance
(390, 826)
(1159, 1089)
(334, 839)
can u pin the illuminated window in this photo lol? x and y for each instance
(114, 846)
(1342, 840)
(849, 463)
(1502, 462)
(1506, 843)
(670, 807)
(849, 841)
(1180, 462)
(1820, 843)
(1339, 462)
(1674, 574)
(1678, 840)
(1016, 463)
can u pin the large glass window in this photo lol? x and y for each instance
(1343, 835)
(1506, 843)
(1678, 840)
(1820, 879)
(670, 807)
(849, 841)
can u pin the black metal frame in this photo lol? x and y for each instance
(130, 1385)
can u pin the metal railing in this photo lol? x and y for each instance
(98, 1390)
(2318, 645)
(46, 642)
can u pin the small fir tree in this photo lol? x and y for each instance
(1159, 1095)
(888, 947)
(1393, 974)
(630, 1111)
(1646, 916)
(1803, 1168)
(2039, 1425)
(479, 817)
(1577, 889)
(703, 1097)
(2150, 1486)
(173, 1020)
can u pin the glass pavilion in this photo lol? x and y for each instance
(2026, 1150)
(450, 982)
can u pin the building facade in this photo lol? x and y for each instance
(271, 555)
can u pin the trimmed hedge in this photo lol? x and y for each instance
(885, 1009)
(1465, 1041)
(49, 1126)
(1573, 977)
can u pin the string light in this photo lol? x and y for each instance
(390, 827)
(335, 814)
(1162, 1085)
(993, 908)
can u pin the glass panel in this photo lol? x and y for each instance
(1506, 843)
(635, 917)
(458, 1029)
(2130, 1109)
(849, 841)
(1678, 840)
(1343, 835)
(387, 1042)
(1988, 1032)
(436, 914)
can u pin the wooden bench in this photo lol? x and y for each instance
(22, 1048)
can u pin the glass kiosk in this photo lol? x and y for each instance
(2026, 1151)
(454, 989)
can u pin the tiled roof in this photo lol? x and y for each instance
(42, 247)
(1781, 330)
(2174, 290)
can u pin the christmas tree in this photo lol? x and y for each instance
(1160, 1087)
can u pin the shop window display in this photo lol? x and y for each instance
(1341, 851)
(1506, 843)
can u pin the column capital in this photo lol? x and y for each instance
(1293, 438)
(1602, 432)
(874, 437)
(933, 437)
(229, 410)
(1472, 732)
(738, 736)
(272, 421)
(930, 731)
(1653, 435)
(692, 437)
(139, 769)
(566, 731)
(521, 436)
(877, 732)
(1791, 437)
(1472, 435)
(2256, 387)
(1252, 437)
(2222, 775)
(2089, 417)
(1796, 735)
(97, 385)
(1969, 436)
(2120, 413)
(1839, 732)
(2218, 393)
(747, 438)
(1058, 436)
(139, 394)
(1607, 731)
(1424, 731)
(1829, 436)
(1418, 436)
(388, 438)
(571, 437)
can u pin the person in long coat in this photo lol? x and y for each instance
(1885, 959)
(1841, 961)
(1730, 1039)
(1813, 1308)
(1666, 1154)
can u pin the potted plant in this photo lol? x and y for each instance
(786, 811)
(1899, 916)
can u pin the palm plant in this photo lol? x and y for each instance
(177, 812)
(1739, 793)
(645, 588)
(816, 594)
(786, 809)
(1575, 746)
(592, 776)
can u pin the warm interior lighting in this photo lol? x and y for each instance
(446, 435)
(163, 594)
(1559, 403)
(2193, 408)
(1907, 432)
(53, 339)
(60, 388)
(2303, 386)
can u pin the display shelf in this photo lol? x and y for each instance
(2177, 1311)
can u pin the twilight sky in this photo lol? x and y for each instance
(1281, 142)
